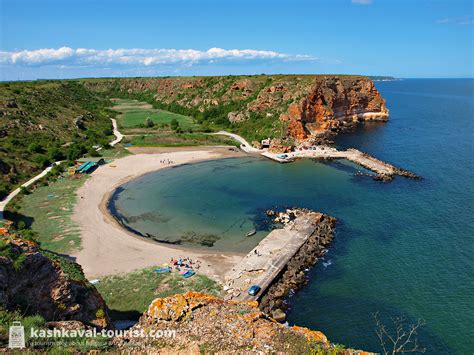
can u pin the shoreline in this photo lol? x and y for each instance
(107, 248)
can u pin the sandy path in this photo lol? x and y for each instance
(118, 136)
(6, 200)
(109, 249)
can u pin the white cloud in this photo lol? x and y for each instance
(465, 20)
(138, 56)
(362, 2)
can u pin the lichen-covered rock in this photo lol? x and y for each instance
(204, 323)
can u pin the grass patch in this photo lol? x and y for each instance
(58, 346)
(49, 211)
(70, 268)
(135, 114)
(114, 153)
(129, 295)
(8, 317)
(169, 139)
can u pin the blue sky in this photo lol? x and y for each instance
(70, 38)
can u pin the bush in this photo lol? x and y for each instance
(55, 154)
(93, 153)
(35, 148)
(149, 122)
(174, 124)
(24, 190)
(100, 313)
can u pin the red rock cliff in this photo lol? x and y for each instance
(333, 104)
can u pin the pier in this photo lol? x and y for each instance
(384, 171)
(269, 259)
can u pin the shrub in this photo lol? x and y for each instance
(55, 154)
(174, 124)
(21, 225)
(149, 122)
(100, 313)
(35, 148)
(24, 190)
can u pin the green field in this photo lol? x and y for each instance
(166, 139)
(129, 295)
(135, 113)
(49, 211)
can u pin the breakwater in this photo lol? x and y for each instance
(383, 171)
(278, 262)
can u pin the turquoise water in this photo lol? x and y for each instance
(401, 249)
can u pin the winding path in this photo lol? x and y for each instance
(118, 136)
(15, 192)
(3, 204)
(244, 145)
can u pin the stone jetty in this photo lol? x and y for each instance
(278, 262)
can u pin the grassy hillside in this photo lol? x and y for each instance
(247, 105)
(42, 122)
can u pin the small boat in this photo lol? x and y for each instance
(163, 270)
(188, 274)
(252, 232)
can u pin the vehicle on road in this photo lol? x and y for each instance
(254, 289)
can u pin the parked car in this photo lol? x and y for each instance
(254, 289)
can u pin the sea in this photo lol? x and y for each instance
(403, 251)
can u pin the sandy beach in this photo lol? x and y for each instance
(109, 249)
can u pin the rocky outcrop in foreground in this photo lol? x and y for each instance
(40, 282)
(206, 324)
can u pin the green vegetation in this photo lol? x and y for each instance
(7, 251)
(45, 121)
(130, 295)
(48, 212)
(8, 317)
(58, 346)
(70, 268)
(135, 114)
(257, 100)
(167, 139)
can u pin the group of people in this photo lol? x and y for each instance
(166, 161)
(184, 263)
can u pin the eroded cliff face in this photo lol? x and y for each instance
(40, 282)
(335, 104)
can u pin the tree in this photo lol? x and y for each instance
(54, 153)
(400, 338)
(149, 122)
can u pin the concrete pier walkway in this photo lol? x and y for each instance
(267, 260)
(382, 169)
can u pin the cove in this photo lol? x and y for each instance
(402, 248)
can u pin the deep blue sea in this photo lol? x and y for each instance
(402, 249)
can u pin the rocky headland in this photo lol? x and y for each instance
(299, 107)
